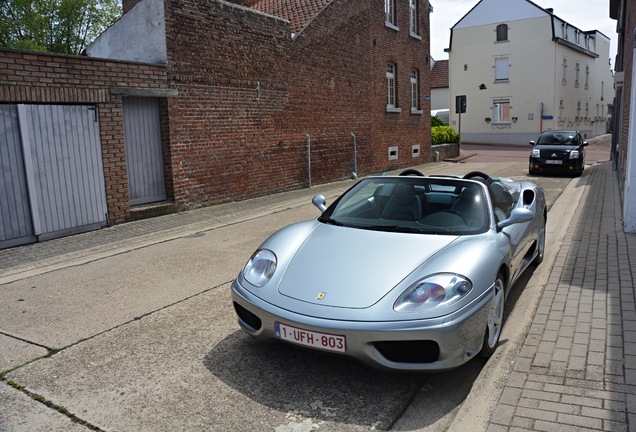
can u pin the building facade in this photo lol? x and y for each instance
(624, 120)
(523, 70)
(275, 95)
(198, 102)
(440, 92)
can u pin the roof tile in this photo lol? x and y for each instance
(297, 12)
(439, 74)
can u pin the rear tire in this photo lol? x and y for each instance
(495, 319)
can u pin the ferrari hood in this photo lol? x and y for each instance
(354, 268)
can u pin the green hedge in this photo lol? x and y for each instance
(435, 121)
(444, 135)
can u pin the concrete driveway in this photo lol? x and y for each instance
(141, 335)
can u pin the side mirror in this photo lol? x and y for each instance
(585, 144)
(320, 202)
(532, 143)
(518, 215)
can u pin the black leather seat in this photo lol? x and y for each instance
(404, 204)
(470, 206)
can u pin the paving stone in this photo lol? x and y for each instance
(536, 414)
(503, 414)
(541, 395)
(522, 423)
(604, 414)
(613, 426)
(575, 420)
(583, 401)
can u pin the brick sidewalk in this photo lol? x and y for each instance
(577, 368)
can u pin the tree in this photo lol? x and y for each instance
(59, 26)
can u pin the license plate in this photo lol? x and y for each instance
(308, 338)
(554, 162)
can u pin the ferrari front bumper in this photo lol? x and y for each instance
(407, 345)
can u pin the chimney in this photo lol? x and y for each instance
(127, 5)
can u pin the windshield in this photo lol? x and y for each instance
(564, 138)
(426, 205)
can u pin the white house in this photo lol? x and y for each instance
(523, 70)
(440, 96)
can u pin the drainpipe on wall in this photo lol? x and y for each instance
(354, 174)
(308, 139)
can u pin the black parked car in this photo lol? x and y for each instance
(558, 151)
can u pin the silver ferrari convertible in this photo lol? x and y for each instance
(405, 272)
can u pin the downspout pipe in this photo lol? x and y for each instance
(308, 140)
(354, 174)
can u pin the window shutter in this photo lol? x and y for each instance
(501, 69)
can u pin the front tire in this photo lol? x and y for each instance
(540, 246)
(495, 319)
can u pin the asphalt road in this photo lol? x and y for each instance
(145, 338)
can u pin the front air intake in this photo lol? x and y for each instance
(247, 317)
(418, 351)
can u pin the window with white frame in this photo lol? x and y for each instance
(564, 30)
(578, 110)
(602, 90)
(414, 18)
(501, 111)
(587, 77)
(415, 91)
(587, 110)
(389, 13)
(565, 71)
(502, 33)
(577, 74)
(502, 66)
(391, 73)
(561, 110)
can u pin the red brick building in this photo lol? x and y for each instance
(258, 82)
(253, 97)
(624, 126)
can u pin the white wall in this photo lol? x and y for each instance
(531, 79)
(440, 98)
(139, 35)
(498, 11)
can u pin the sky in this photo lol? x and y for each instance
(584, 14)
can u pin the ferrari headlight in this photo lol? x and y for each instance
(260, 268)
(536, 153)
(432, 292)
(574, 154)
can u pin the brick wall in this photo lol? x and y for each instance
(250, 95)
(228, 66)
(626, 49)
(27, 77)
(250, 98)
(128, 4)
(330, 85)
(406, 52)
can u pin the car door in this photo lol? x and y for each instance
(516, 235)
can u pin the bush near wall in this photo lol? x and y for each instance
(435, 121)
(444, 134)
